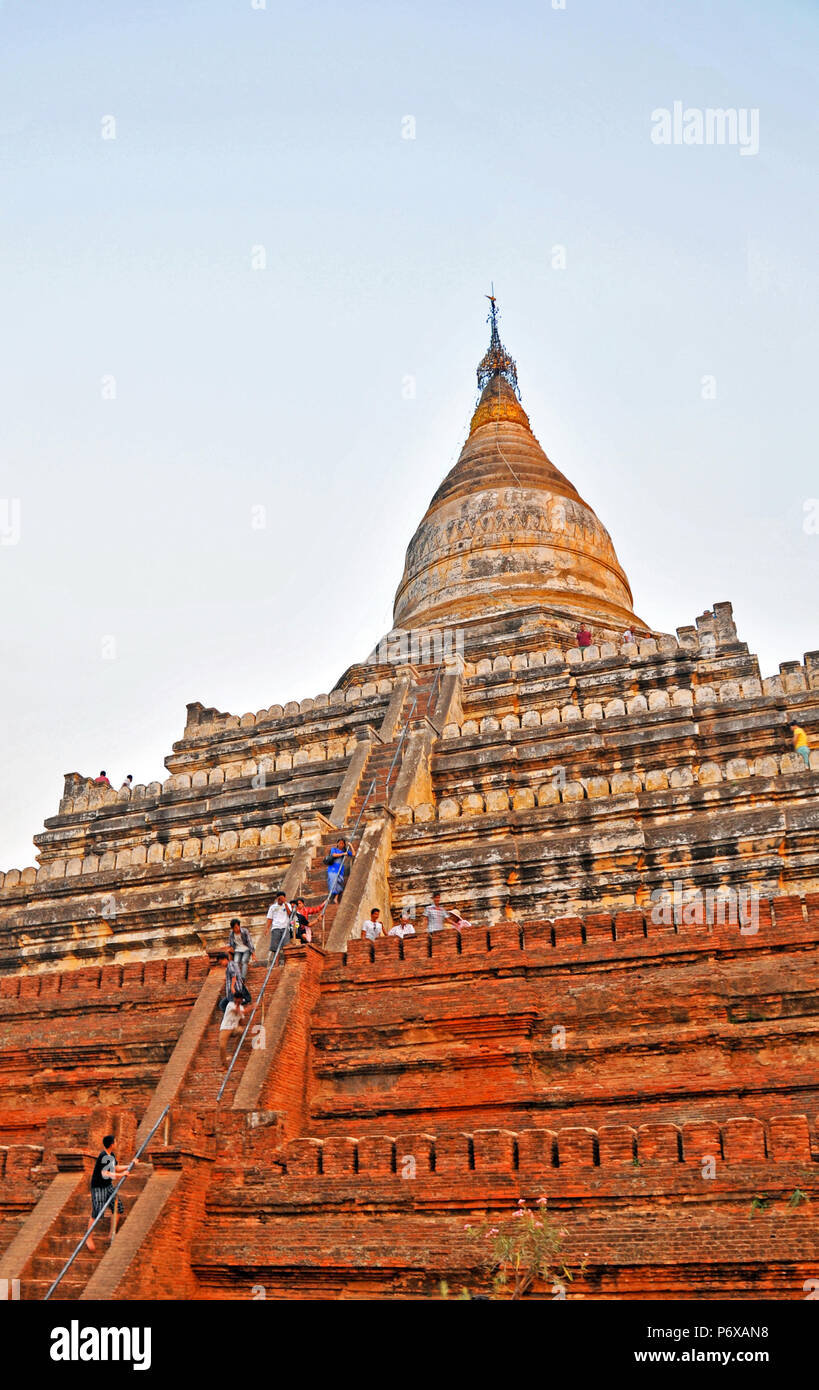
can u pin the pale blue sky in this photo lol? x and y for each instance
(282, 387)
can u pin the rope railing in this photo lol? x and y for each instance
(69, 1262)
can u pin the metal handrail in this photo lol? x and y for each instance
(69, 1262)
(338, 873)
(270, 968)
(438, 675)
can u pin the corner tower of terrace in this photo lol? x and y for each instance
(506, 533)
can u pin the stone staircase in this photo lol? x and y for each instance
(375, 786)
(206, 1073)
(383, 766)
(62, 1238)
(426, 693)
(314, 890)
(372, 790)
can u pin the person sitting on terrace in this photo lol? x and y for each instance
(128, 783)
(102, 780)
(584, 637)
(800, 742)
(372, 928)
(404, 926)
(336, 862)
(300, 920)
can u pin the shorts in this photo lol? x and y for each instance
(278, 934)
(99, 1196)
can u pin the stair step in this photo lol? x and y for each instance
(47, 1267)
(35, 1290)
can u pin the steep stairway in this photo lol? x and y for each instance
(206, 1073)
(381, 769)
(426, 693)
(62, 1238)
(372, 789)
(314, 891)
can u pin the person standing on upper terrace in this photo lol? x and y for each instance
(337, 866)
(584, 637)
(372, 928)
(434, 915)
(241, 944)
(800, 742)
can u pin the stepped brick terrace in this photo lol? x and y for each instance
(629, 1025)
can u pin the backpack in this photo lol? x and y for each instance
(240, 995)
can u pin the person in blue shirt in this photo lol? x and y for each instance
(337, 866)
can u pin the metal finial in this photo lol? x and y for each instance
(496, 361)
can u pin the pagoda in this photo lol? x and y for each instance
(624, 1022)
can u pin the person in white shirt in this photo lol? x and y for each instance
(278, 916)
(404, 927)
(457, 920)
(372, 927)
(434, 915)
(233, 1022)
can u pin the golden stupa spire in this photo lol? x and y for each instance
(497, 380)
(506, 533)
(496, 361)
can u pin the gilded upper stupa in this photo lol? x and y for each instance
(506, 531)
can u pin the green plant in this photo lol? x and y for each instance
(760, 1204)
(798, 1197)
(444, 1287)
(522, 1248)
